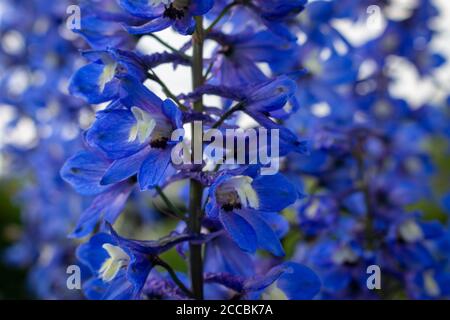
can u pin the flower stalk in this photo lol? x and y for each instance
(196, 189)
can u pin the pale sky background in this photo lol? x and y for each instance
(416, 91)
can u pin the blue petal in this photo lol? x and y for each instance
(275, 192)
(138, 270)
(336, 280)
(281, 30)
(264, 46)
(200, 7)
(92, 253)
(94, 288)
(259, 283)
(111, 134)
(106, 207)
(299, 282)
(267, 238)
(155, 25)
(101, 33)
(240, 231)
(225, 256)
(185, 26)
(85, 84)
(276, 222)
(289, 141)
(154, 168)
(172, 112)
(141, 8)
(120, 288)
(273, 95)
(238, 71)
(84, 171)
(125, 168)
(135, 94)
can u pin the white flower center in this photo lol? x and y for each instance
(118, 258)
(345, 255)
(156, 126)
(313, 209)
(274, 293)
(238, 190)
(155, 3)
(410, 231)
(313, 64)
(431, 286)
(107, 75)
(178, 4)
(144, 126)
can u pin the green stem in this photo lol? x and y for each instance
(174, 277)
(196, 189)
(169, 203)
(208, 71)
(168, 46)
(228, 114)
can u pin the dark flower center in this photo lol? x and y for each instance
(229, 200)
(231, 206)
(173, 13)
(160, 143)
(227, 50)
(121, 69)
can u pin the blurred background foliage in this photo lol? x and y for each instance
(12, 280)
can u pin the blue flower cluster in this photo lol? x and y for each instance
(102, 190)
(37, 59)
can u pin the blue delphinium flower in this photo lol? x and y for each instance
(137, 136)
(120, 266)
(273, 14)
(162, 14)
(236, 57)
(241, 203)
(289, 280)
(84, 171)
(99, 80)
(100, 25)
(264, 102)
(317, 214)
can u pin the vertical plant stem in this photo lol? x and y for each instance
(196, 189)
